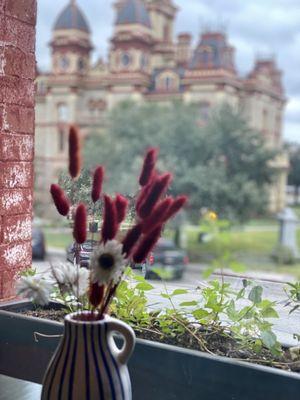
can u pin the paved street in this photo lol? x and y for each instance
(284, 327)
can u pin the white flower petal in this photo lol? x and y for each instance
(35, 288)
(104, 276)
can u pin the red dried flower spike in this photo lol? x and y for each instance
(178, 203)
(121, 204)
(80, 224)
(158, 188)
(146, 245)
(131, 239)
(110, 224)
(61, 201)
(97, 183)
(157, 217)
(74, 152)
(96, 294)
(143, 194)
(148, 166)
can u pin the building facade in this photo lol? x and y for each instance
(146, 63)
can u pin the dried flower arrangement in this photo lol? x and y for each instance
(112, 252)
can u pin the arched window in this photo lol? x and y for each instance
(81, 64)
(168, 82)
(265, 121)
(166, 33)
(62, 112)
(125, 60)
(61, 141)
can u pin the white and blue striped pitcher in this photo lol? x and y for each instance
(87, 364)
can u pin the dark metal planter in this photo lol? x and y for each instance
(158, 371)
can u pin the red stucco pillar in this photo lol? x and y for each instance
(17, 73)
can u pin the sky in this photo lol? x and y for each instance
(255, 28)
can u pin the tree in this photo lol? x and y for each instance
(223, 165)
(294, 173)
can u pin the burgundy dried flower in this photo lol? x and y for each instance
(148, 166)
(178, 203)
(131, 239)
(157, 217)
(110, 224)
(60, 199)
(157, 189)
(146, 245)
(143, 194)
(121, 204)
(80, 224)
(97, 183)
(74, 152)
(96, 294)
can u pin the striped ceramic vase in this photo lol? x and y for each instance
(87, 364)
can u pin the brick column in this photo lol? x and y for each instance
(17, 73)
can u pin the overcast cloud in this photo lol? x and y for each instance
(256, 27)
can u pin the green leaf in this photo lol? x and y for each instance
(269, 312)
(268, 338)
(139, 278)
(294, 308)
(255, 294)
(189, 303)
(237, 267)
(178, 292)
(240, 294)
(208, 272)
(144, 286)
(231, 311)
(200, 313)
(245, 283)
(165, 296)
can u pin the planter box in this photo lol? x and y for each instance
(157, 371)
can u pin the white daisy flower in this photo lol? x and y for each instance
(67, 275)
(34, 288)
(107, 263)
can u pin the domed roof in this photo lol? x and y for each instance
(72, 17)
(133, 12)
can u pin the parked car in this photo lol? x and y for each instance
(38, 244)
(86, 250)
(166, 261)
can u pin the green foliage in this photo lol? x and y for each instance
(293, 293)
(223, 165)
(130, 304)
(283, 255)
(79, 190)
(243, 315)
(294, 172)
(31, 271)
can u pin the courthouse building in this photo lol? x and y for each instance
(146, 63)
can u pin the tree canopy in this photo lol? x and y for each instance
(294, 173)
(222, 165)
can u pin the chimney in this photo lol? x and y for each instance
(183, 52)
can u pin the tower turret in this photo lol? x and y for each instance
(71, 44)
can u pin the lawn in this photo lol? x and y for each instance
(57, 239)
(249, 246)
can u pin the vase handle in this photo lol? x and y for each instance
(123, 354)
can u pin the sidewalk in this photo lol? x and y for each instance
(255, 275)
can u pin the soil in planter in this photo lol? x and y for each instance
(212, 343)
